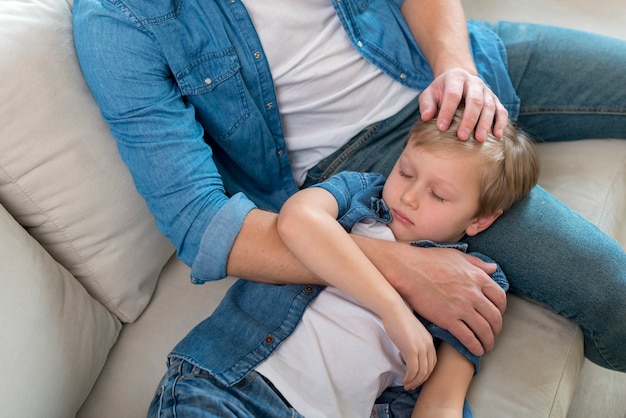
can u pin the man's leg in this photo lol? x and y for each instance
(571, 83)
(554, 256)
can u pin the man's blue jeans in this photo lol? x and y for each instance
(548, 252)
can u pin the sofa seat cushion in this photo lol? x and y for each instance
(61, 176)
(55, 337)
(534, 369)
(137, 361)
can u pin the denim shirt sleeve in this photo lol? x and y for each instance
(354, 193)
(158, 137)
(378, 31)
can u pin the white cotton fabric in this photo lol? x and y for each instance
(339, 359)
(327, 92)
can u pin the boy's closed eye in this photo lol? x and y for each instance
(436, 196)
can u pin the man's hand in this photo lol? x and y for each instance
(445, 286)
(483, 110)
(454, 290)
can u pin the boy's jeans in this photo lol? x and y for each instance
(187, 391)
(548, 252)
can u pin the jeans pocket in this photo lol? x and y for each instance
(380, 411)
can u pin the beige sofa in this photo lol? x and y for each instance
(93, 297)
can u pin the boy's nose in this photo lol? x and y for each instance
(410, 199)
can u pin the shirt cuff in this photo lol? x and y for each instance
(218, 239)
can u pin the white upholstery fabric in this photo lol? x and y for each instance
(533, 370)
(55, 337)
(137, 361)
(60, 174)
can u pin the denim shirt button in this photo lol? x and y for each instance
(308, 289)
(269, 339)
(359, 44)
(208, 81)
(403, 76)
(257, 55)
(269, 106)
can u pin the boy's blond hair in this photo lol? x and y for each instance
(510, 165)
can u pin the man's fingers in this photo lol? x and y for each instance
(486, 120)
(428, 104)
(474, 103)
(452, 97)
(465, 335)
(497, 296)
(502, 118)
(483, 113)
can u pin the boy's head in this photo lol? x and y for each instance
(442, 188)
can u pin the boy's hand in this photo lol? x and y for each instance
(414, 342)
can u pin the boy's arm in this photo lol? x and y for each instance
(444, 393)
(447, 287)
(308, 226)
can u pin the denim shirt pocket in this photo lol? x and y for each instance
(214, 81)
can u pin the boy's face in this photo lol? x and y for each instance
(434, 196)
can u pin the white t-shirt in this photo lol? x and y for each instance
(327, 92)
(339, 358)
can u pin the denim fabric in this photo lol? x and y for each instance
(254, 318)
(187, 391)
(396, 402)
(571, 83)
(548, 252)
(173, 76)
(358, 196)
(174, 93)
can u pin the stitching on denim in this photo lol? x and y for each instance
(350, 150)
(564, 110)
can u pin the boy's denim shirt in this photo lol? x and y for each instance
(253, 318)
(187, 92)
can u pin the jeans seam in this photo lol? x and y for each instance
(565, 110)
(350, 150)
(602, 352)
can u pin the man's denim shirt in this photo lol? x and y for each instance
(253, 318)
(187, 92)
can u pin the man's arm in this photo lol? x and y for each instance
(446, 286)
(259, 254)
(440, 29)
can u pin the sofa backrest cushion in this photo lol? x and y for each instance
(60, 173)
(55, 337)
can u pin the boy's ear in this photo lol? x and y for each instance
(481, 223)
